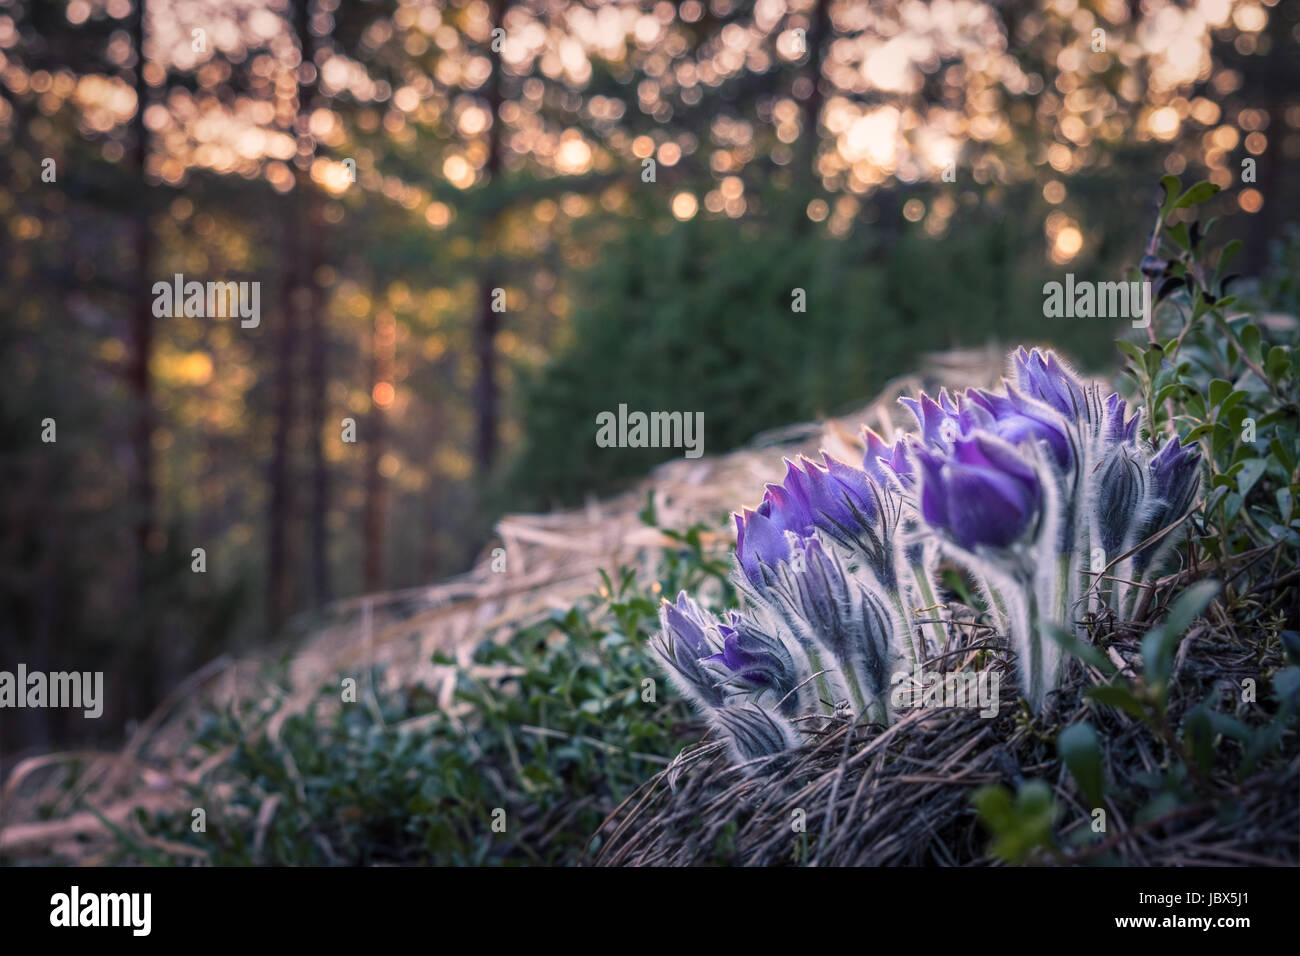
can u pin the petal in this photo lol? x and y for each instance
(994, 508)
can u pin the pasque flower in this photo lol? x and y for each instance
(938, 420)
(833, 496)
(984, 494)
(1022, 484)
(1017, 419)
(1173, 480)
(886, 463)
(754, 656)
(1043, 376)
(684, 641)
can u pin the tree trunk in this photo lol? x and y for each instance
(279, 559)
(317, 380)
(142, 330)
(315, 325)
(806, 172)
(486, 398)
(376, 507)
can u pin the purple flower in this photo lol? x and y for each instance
(1017, 419)
(1173, 479)
(756, 657)
(1120, 427)
(688, 623)
(1045, 378)
(884, 462)
(934, 418)
(835, 497)
(684, 642)
(1013, 416)
(1120, 492)
(759, 541)
(983, 494)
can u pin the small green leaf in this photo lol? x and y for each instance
(1178, 233)
(1199, 736)
(1088, 653)
(1229, 253)
(1161, 642)
(1190, 604)
(1151, 360)
(1078, 747)
(1251, 470)
(1280, 452)
(1278, 364)
(1251, 342)
(1131, 350)
(1232, 401)
(1021, 827)
(1118, 696)
(1196, 194)
(1171, 185)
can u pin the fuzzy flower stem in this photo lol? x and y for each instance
(1034, 666)
(823, 685)
(999, 602)
(1064, 592)
(906, 618)
(859, 700)
(927, 595)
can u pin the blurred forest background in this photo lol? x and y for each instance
(646, 182)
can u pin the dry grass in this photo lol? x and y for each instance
(872, 796)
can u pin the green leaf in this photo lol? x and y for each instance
(1088, 653)
(1171, 185)
(1219, 390)
(1119, 696)
(1190, 604)
(1228, 726)
(1229, 253)
(1131, 350)
(1172, 390)
(1251, 342)
(1280, 452)
(1078, 747)
(1199, 736)
(1278, 364)
(1196, 194)
(1251, 470)
(1151, 360)
(1021, 827)
(1161, 642)
(1178, 233)
(1232, 401)
(1223, 437)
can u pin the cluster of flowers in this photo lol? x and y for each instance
(1042, 490)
